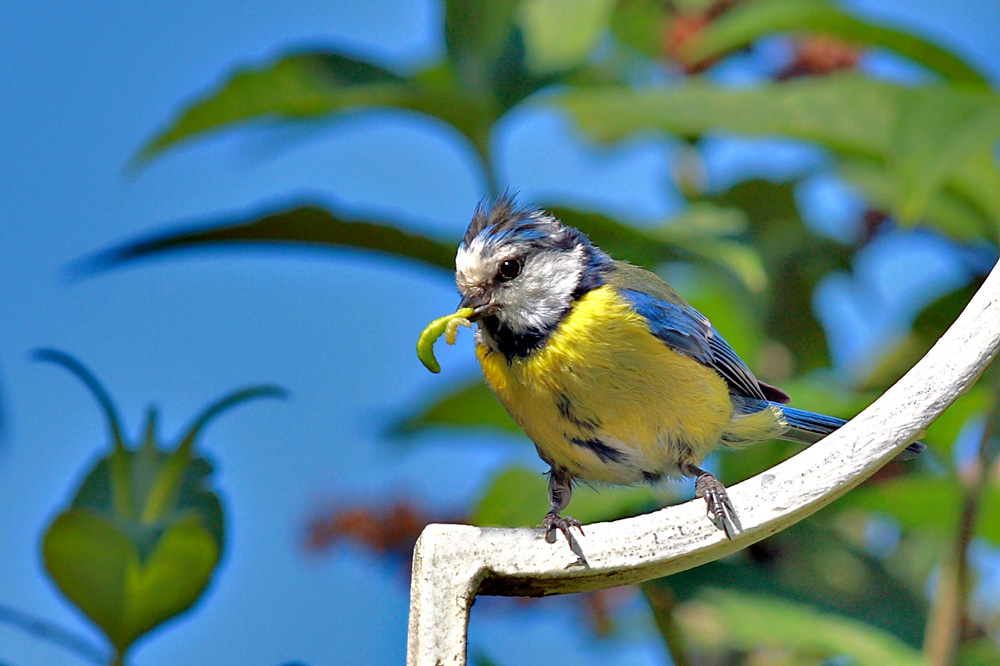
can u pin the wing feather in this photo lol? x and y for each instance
(682, 328)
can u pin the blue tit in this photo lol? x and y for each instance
(610, 372)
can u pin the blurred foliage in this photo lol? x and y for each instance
(468, 405)
(723, 621)
(304, 85)
(307, 225)
(751, 21)
(821, 564)
(516, 497)
(390, 531)
(920, 155)
(921, 503)
(927, 327)
(561, 34)
(927, 139)
(144, 532)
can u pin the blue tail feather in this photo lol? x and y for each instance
(810, 427)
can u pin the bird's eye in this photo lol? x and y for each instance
(508, 270)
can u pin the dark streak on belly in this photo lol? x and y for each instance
(605, 452)
(568, 412)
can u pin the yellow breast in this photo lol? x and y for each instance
(606, 399)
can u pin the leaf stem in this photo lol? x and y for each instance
(93, 384)
(52, 633)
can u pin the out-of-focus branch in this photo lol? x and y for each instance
(948, 621)
(662, 602)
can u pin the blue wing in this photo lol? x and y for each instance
(688, 332)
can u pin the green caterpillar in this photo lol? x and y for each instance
(447, 325)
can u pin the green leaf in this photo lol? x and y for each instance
(471, 404)
(514, 497)
(978, 183)
(309, 225)
(162, 484)
(745, 622)
(144, 531)
(640, 24)
(741, 259)
(510, 78)
(561, 34)
(927, 503)
(518, 497)
(303, 225)
(751, 21)
(703, 219)
(847, 112)
(852, 115)
(475, 30)
(982, 651)
(818, 392)
(706, 231)
(945, 210)
(96, 565)
(934, 137)
(309, 85)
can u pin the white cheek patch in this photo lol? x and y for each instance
(538, 298)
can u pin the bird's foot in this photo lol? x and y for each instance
(720, 508)
(553, 521)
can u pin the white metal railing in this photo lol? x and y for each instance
(454, 563)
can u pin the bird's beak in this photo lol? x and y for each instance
(478, 302)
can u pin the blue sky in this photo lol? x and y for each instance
(82, 86)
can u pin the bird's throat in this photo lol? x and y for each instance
(514, 343)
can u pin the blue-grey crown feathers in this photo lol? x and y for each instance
(506, 222)
(504, 212)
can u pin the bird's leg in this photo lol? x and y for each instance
(560, 490)
(720, 508)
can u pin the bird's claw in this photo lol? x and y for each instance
(553, 521)
(720, 507)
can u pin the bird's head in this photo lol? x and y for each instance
(521, 269)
